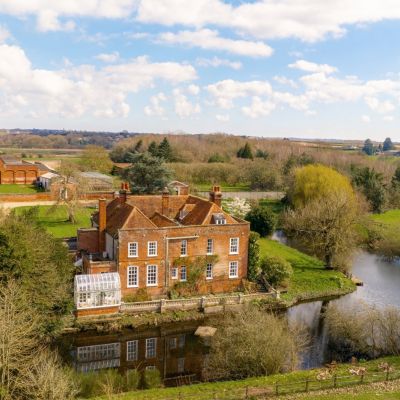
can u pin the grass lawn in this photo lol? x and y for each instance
(18, 189)
(310, 278)
(204, 187)
(391, 217)
(57, 223)
(236, 389)
(276, 206)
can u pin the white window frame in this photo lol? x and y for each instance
(132, 249)
(132, 350)
(210, 246)
(152, 252)
(151, 348)
(174, 273)
(183, 269)
(152, 283)
(184, 247)
(235, 265)
(209, 271)
(221, 221)
(232, 247)
(129, 269)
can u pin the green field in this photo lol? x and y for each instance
(236, 389)
(204, 187)
(17, 189)
(56, 221)
(391, 217)
(310, 279)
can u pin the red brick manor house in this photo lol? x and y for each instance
(147, 242)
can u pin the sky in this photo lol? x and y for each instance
(274, 68)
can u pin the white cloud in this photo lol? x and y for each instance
(183, 107)
(210, 40)
(222, 117)
(285, 81)
(193, 89)
(258, 108)
(381, 107)
(49, 12)
(307, 20)
(218, 62)
(226, 91)
(388, 118)
(366, 119)
(155, 108)
(108, 57)
(77, 91)
(308, 66)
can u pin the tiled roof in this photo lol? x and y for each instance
(146, 212)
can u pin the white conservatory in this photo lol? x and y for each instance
(97, 290)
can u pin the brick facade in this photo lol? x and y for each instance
(171, 223)
(18, 172)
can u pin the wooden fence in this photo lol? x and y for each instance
(197, 303)
(281, 389)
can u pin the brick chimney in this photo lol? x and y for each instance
(122, 193)
(102, 224)
(165, 202)
(216, 195)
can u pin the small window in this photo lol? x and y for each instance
(172, 343)
(234, 246)
(184, 248)
(210, 246)
(133, 276)
(152, 275)
(183, 274)
(174, 273)
(151, 249)
(132, 350)
(233, 269)
(132, 249)
(181, 365)
(209, 271)
(151, 347)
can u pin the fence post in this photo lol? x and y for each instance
(162, 305)
(277, 388)
(362, 378)
(203, 303)
(307, 382)
(334, 381)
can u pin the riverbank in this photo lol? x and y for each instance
(266, 384)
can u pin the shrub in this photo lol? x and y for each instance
(262, 220)
(140, 295)
(132, 380)
(253, 268)
(151, 379)
(275, 270)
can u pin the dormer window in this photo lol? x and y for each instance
(219, 219)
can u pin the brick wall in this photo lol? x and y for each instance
(47, 196)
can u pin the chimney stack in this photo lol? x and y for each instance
(165, 202)
(102, 224)
(216, 195)
(122, 192)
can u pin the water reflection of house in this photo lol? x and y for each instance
(174, 351)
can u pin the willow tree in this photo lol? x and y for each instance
(323, 215)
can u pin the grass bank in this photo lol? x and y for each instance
(56, 220)
(310, 278)
(17, 189)
(237, 389)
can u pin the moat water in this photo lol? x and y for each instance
(180, 356)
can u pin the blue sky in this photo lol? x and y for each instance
(296, 68)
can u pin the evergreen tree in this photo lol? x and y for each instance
(261, 154)
(148, 174)
(368, 147)
(388, 144)
(245, 152)
(165, 151)
(153, 149)
(396, 178)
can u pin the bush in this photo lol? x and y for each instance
(151, 379)
(140, 295)
(262, 220)
(132, 380)
(275, 270)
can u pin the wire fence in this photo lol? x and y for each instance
(281, 388)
